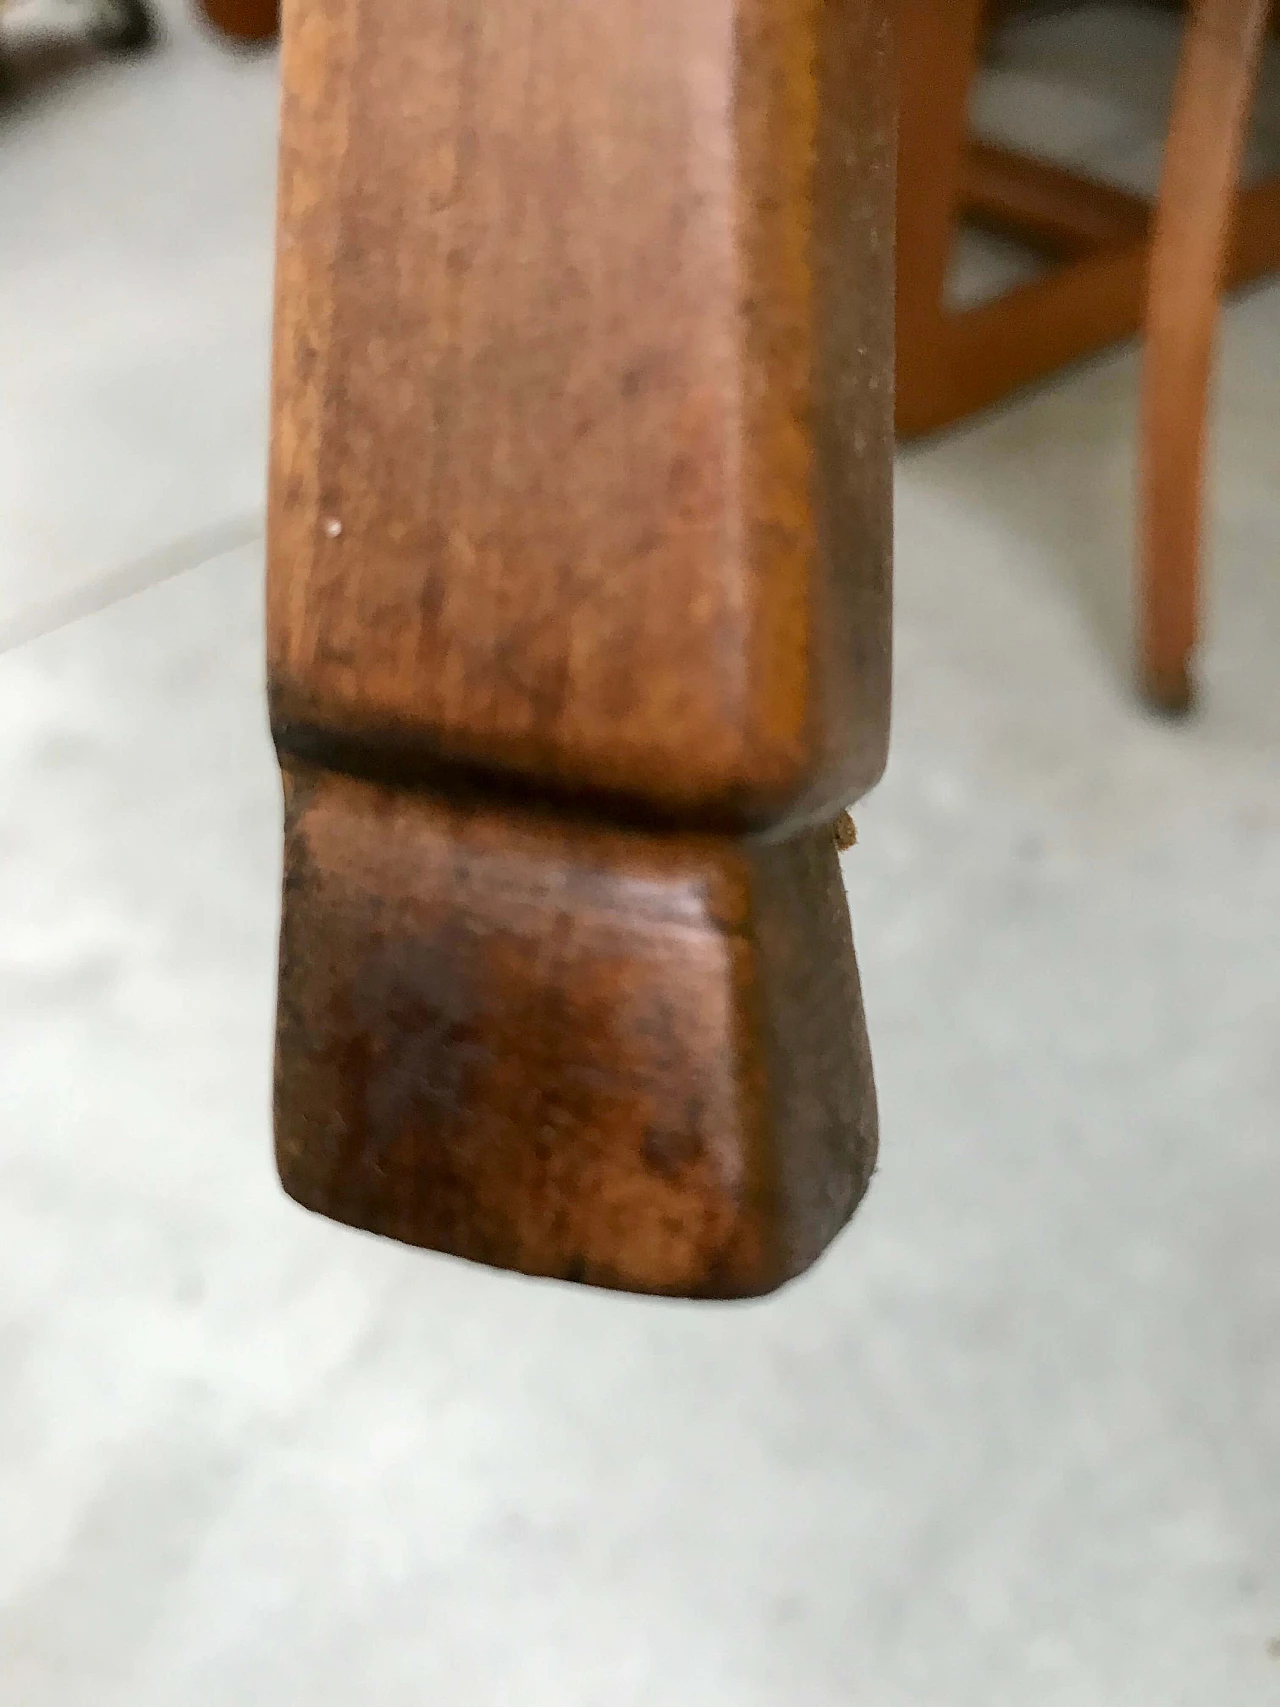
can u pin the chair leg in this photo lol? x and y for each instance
(1214, 92)
(938, 47)
(244, 20)
(579, 554)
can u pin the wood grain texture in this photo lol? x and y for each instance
(578, 623)
(582, 369)
(631, 1059)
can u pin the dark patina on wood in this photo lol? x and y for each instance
(578, 624)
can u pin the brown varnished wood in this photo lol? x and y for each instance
(1127, 268)
(954, 361)
(938, 43)
(975, 357)
(578, 623)
(580, 347)
(634, 1059)
(1217, 76)
(1061, 212)
(244, 20)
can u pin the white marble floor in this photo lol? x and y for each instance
(1017, 1441)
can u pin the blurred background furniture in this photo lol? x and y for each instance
(245, 20)
(117, 26)
(1121, 263)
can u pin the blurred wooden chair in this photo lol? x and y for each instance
(1124, 265)
(244, 20)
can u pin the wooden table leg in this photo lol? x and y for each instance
(578, 613)
(1212, 100)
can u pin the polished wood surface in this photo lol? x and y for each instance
(983, 354)
(937, 57)
(570, 354)
(634, 1059)
(578, 623)
(1060, 212)
(1191, 253)
(249, 21)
